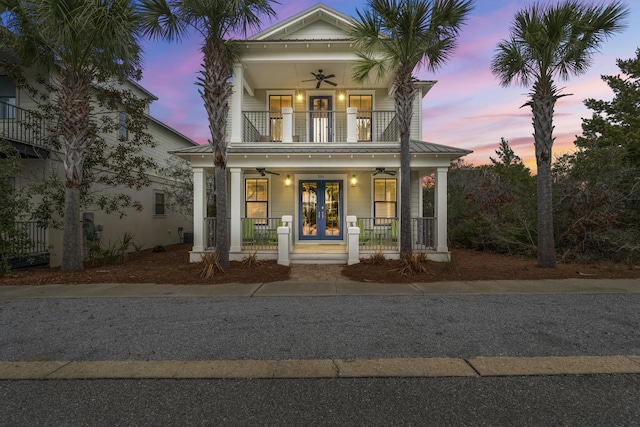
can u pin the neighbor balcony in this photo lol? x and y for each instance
(350, 126)
(25, 129)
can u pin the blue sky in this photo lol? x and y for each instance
(467, 108)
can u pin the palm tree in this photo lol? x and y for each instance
(87, 42)
(215, 21)
(399, 36)
(548, 42)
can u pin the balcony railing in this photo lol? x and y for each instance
(20, 125)
(320, 126)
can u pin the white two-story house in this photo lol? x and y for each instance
(313, 157)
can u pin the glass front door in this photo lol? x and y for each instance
(321, 120)
(320, 210)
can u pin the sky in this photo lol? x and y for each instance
(467, 108)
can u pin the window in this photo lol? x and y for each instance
(257, 199)
(7, 98)
(385, 202)
(158, 203)
(364, 104)
(276, 104)
(123, 131)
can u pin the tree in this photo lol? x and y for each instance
(13, 206)
(88, 43)
(215, 21)
(179, 190)
(509, 167)
(399, 36)
(598, 185)
(549, 42)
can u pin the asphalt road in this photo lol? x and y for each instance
(318, 327)
(322, 327)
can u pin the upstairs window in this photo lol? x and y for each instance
(276, 104)
(364, 105)
(7, 98)
(385, 201)
(123, 131)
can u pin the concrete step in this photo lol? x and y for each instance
(318, 258)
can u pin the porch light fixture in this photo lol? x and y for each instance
(341, 96)
(287, 181)
(354, 181)
(299, 97)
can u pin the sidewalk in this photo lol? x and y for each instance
(327, 288)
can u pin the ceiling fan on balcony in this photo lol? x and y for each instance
(385, 171)
(263, 172)
(320, 77)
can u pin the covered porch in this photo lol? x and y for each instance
(320, 204)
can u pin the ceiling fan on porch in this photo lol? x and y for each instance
(263, 172)
(320, 77)
(385, 171)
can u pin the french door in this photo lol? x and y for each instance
(320, 210)
(321, 119)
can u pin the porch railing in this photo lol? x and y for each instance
(20, 125)
(26, 240)
(320, 126)
(383, 234)
(260, 233)
(423, 234)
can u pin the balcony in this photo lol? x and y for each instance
(26, 130)
(350, 126)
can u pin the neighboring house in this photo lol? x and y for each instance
(313, 158)
(154, 225)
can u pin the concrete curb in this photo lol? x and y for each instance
(321, 368)
(337, 288)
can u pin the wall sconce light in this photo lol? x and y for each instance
(341, 96)
(354, 181)
(299, 96)
(287, 181)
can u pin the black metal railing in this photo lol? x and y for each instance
(320, 126)
(260, 233)
(20, 125)
(423, 234)
(27, 238)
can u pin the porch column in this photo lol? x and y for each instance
(236, 209)
(287, 125)
(199, 209)
(236, 104)
(352, 123)
(441, 210)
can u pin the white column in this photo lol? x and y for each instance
(352, 121)
(199, 209)
(236, 210)
(287, 125)
(353, 241)
(236, 104)
(441, 210)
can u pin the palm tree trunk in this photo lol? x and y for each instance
(543, 103)
(404, 96)
(216, 91)
(77, 134)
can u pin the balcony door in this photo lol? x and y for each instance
(321, 119)
(320, 210)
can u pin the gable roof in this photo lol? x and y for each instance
(336, 28)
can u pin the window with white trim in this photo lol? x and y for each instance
(159, 203)
(257, 199)
(7, 98)
(385, 200)
(364, 105)
(123, 131)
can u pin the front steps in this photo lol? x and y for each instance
(319, 254)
